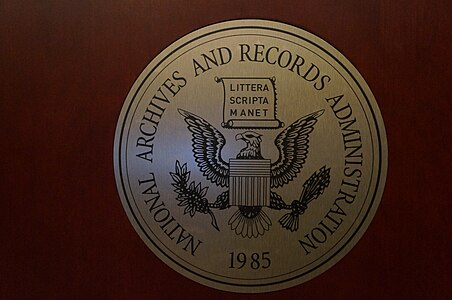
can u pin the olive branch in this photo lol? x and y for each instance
(193, 196)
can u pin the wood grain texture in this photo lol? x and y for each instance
(65, 70)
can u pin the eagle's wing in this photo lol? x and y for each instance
(293, 144)
(207, 145)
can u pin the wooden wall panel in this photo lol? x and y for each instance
(65, 70)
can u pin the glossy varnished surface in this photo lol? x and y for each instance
(66, 68)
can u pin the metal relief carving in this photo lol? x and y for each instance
(250, 156)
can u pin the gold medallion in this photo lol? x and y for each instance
(250, 156)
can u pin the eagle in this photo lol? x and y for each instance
(249, 221)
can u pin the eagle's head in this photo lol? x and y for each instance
(253, 145)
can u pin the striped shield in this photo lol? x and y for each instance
(249, 182)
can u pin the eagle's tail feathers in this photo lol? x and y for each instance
(250, 222)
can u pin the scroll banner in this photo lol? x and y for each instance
(249, 103)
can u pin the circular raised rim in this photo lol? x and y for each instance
(282, 29)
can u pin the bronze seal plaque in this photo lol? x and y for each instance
(250, 156)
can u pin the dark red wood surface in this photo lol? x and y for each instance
(65, 70)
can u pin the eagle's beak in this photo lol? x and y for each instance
(239, 137)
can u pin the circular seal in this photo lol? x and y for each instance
(250, 156)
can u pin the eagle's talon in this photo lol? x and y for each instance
(298, 207)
